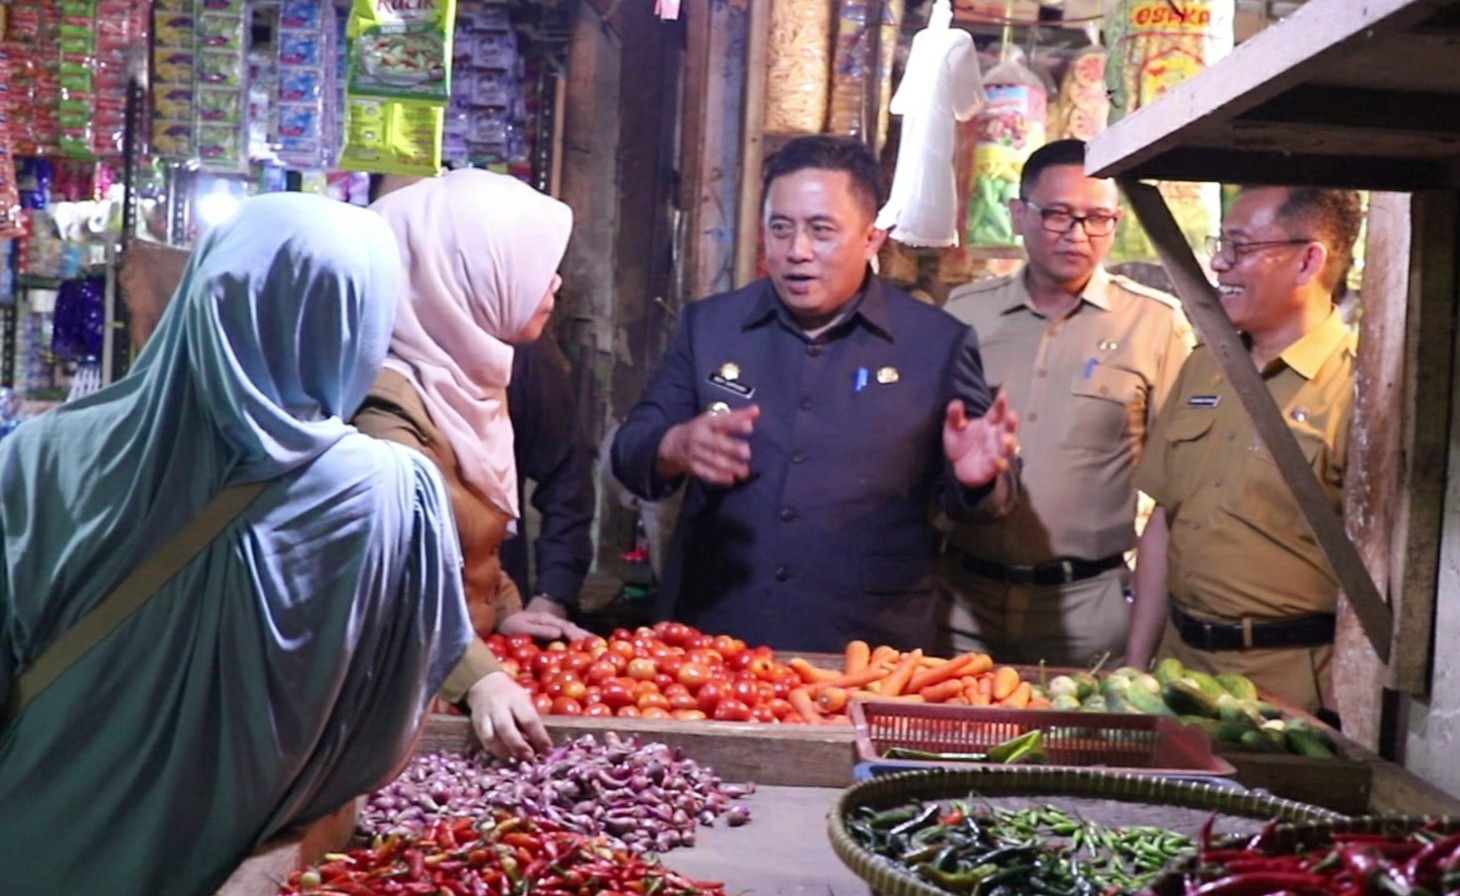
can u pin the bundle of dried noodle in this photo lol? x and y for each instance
(799, 66)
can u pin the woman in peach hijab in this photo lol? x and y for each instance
(480, 252)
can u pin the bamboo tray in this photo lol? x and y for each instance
(1106, 797)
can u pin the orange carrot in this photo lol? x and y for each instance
(832, 700)
(860, 679)
(1039, 703)
(985, 689)
(858, 657)
(942, 691)
(810, 674)
(872, 695)
(950, 669)
(801, 701)
(883, 654)
(1006, 679)
(931, 662)
(896, 682)
(978, 665)
(1019, 697)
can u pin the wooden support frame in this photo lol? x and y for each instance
(751, 150)
(1202, 306)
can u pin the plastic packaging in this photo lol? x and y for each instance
(1010, 128)
(799, 61)
(401, 54)
(851, 68)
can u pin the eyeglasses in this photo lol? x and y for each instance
(1058, 220)
(1231, 250)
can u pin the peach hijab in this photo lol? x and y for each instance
(479, 251)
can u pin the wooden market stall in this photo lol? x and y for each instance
(1356, 95)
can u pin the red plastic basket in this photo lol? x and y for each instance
(1135, 744)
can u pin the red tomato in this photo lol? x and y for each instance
(709, 694)
(692, 675)
(543, 703)
(642, 669)
(616, 695)
(765, 692)
(674, 687)
(731, 710)
(567, 706)
(621, 634)
(575, 690)
(599, 710)
(763, 714)
(497, 644)
(688, 715)
(645, 687)
(525, 655)
(782, 708)
(517, 642)
(746, 690)
(618, 661)
(659, 651)
(599, 671)
(624, 649)
(593, 646)
(652, 698)
(627, 712)
(663, 680)
(675, 633)
(592, 694)
(698, 640)
(670, 665)
(761, 666)
(707, 656)
(783, 688)
(655, 712)
(545, 663)
(553, 687)
(683, 700)
(512, 667)
(576, 661)
(729, 647)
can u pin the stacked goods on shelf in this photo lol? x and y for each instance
(304, 115)
(199, 82)
(1010, 128)
(95, 39)
(798, 55)
(851, 67)
(32, 49)
(398, 85)
(484, 123)
(10, 225)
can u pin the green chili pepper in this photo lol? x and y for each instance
(893, 817)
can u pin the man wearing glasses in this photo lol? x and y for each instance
(1087, 358)
(1229, 576)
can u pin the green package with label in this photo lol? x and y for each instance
(401, 50)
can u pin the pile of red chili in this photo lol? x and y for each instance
(501, 855)
(1424, 863)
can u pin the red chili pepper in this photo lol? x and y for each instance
(1260, 883)
(1426, 867)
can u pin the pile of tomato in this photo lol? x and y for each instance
(668, 671)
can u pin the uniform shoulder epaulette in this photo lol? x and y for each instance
(974, 287)
(1141, 289)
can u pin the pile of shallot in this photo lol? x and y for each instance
(643, 797)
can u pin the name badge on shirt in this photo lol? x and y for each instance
(728, 377)
(1204, 401)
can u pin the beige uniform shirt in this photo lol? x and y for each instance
(1087, 388)
(1239, 545)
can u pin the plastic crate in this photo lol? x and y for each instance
(1134, 744)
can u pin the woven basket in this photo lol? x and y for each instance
(1303, 836)
(1039, 785)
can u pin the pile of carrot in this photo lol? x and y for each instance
(885, 673)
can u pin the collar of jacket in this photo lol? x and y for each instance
(870, 306)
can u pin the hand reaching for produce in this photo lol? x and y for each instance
(981, 448)
(541, 624)
(713, 447)
(504, 719)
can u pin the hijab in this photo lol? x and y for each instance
(479, 251)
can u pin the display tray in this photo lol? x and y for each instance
(1135, 744)
(1104, 797)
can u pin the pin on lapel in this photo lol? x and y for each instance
(887, 375)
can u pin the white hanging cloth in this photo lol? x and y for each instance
(941, 84)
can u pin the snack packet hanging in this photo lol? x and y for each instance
(401, 54)
(1010, 127)
(392, 138)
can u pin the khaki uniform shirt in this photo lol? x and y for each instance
(1239, 546)
(1087, 387)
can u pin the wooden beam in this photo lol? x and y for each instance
(1205, 311)
(752, 153)
(714, 95)
(1277, 59)
(1233, 164)
(1361, 108)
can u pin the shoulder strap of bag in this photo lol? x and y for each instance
(131, 594)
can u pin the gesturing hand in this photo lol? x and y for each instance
(504, 719)
(982, 448)
(713, 447)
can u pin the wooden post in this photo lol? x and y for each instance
(1205, 310)
(711, 144)
(751, 152)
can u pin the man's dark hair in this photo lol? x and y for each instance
(1050, 155)
(827, 153)
(1330, 216)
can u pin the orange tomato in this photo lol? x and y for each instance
(642, 669)
(652, 698)
(566, 706)
(655, 712)
(688, 715)
(543, 703)
(598, 710)
(730, 709)
(727, 646)
(692, 675)
(627, 712)
(683, 700)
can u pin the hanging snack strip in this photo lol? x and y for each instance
(173, 67)
(120, 25)
(34, 56)
(10, 225)
(1010, 127)
(305, 134)
(798, 54)
(398, 86)
(486, 88)
(221, 70)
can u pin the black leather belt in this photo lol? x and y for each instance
(1061, 572)
(1313, 630)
